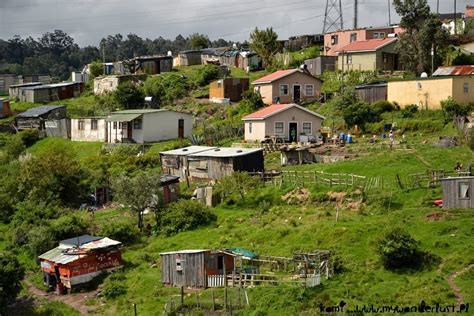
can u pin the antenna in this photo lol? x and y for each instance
(356, 13)
(333, 16)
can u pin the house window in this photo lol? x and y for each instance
(122, 125)
(137, 124)
(353, 37)
(349, 59)
(93, 125)
(309, 90)
(334, 39)
(379, 34)
(307, 128)
(80, 125)
(466, 87)
(464, 190)
(179, 266)
(115, 125)
(279, 128)
(250, 128)
(283, 89)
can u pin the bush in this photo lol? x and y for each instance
(166, 88)
(398, 250)
(11, 274)
(185, 215)
(113, 288)
(452, 109)
(471, 139)
(409, 111)
(205, 75)
(251, 101)
(41, 239)
(123, 230)
(69, 226)
(129, 96)
(382, 106)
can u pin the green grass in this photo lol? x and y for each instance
(82, 149)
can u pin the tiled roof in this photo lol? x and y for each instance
(367, 46)
(275, 76)
(274, 109)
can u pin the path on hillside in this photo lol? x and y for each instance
(76, 301)
(457, 291)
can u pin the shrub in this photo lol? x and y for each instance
(452, 109)
(205, 75)
(398, 250)
(11, 274)
(113, 289)
(69, 226)
(251, 101)
(129, 96)
(382, 106)
(123, 230)
(409, 111)
(41, 239)
(471, 139)
(166, 88)
(185, 215)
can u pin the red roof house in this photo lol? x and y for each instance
(78, 260)
(373, 55)
(288, 86)
(287, 122)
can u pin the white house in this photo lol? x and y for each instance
(147, 126)
(288, 122)
(89, 129)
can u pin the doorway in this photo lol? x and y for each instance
(296, 93)
(293, 132)
(129, 130)
(220, 264)
(181, 128)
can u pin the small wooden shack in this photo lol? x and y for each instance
(198, 162)
(50, 119)
(78, 260)
(228, 88)
(372, 92)
(458, 192)
(4, 108)
(196, 268)
(170, 186)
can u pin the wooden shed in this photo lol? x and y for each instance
(197, 162)
(196, 268)
(228, 88)
(49, 118)
(372, 92)
(458, 192)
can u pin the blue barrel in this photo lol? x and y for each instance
(349, 139)
(342, 136)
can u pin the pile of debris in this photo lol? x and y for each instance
(447, 142)
(297, 196)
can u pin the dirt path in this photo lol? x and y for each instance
(451, 281)
(76, 300)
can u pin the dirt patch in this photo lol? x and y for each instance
(434, 217)
(297, 196)
(337, 197)
(457, 291)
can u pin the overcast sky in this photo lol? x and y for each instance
(90, 20)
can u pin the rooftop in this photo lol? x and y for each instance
(225, 152)
(367, 46)
(275, 109)
(40, 110)
(464, 70)
(187, 150)
(275, 76)
(190, 251)
(53, 85)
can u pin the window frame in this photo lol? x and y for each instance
(282, 128)
(250, 127)
(94, 124)
(137, 124)
(353, 37)
(465, 87)
(306, 91)
(334, 39)
(81, 125)
(460, 196)
(310, 127)
(349, 59)
(287, 89)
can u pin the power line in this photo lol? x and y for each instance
(333, 16)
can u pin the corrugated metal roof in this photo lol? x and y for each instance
(49, 86)
(186, 150)
(78, 241)
(464, 70)
(30, 84)
(191, 251)
(122, 117)
(40, 110)
(227, 152)
(101, 243)
(367, 46)
(166, 178)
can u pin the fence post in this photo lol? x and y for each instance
(213, 300)
(134, 309)
(225, 298)
(182, 296)
(197, 300)
(246, 298)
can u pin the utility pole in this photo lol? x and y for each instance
(437, 6)
(333, 16)
(356, 13)
(455, 24)
(103, 59)
(389, 14)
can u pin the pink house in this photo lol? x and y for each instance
(334, 41)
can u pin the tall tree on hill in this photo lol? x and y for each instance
(199, 41)
(264, 43)
(422, 32)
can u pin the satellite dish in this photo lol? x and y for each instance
(424, 75)
(169, 53)
(234, 46)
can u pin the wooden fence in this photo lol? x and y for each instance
(303, 178)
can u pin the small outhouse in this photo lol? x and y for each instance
(458, 192)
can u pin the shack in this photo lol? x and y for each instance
(317, 66)
(51, 92)
(196, 268)
(188, 58)
(170, 186)
(50, 119)
(228, 89)
(372, 92)
(458, 192)
(14, 90)
(196, 162)
(4, 108)
(7, 80)
(78, 260)
(150, 65)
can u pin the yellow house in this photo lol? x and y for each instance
(372, 55)
(427, 93)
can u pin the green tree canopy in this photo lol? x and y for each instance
(265, 44)
(11, 274)
(129, 96)
(199, 41)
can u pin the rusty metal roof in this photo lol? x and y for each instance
(464, 70)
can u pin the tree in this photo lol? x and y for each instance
(265, 44)
(11, 274)
(199, 41)
(423, 31)
(452, 109)
(129, 95)
(138, 192)
(251, 101)
(96, 68)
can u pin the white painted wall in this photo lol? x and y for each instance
(87, 134)
(258, 131)
(161, 126)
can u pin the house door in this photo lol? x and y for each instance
(220, 264)
(181, 128)
(129, 130)
(296, 93)
(293, 132)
